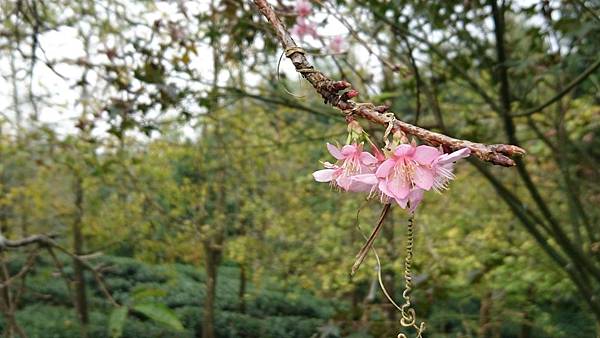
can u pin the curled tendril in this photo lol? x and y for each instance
(409, 317)
(408, 314)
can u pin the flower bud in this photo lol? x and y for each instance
(399, 137)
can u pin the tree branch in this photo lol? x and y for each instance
(339, 95)
(48, 241)
(576, 81)
(17, 243)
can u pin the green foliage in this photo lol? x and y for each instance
(160, 314)
(141, 303)
(116, 322)
(169, 306)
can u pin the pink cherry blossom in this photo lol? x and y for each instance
(337, 44)
(410, 171)
(443, 167)
(409, 167)
(351, 161)
(303, 28)
(303, 8)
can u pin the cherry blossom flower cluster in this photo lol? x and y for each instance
(401, 173)
(305, 27)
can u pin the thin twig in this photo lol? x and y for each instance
(360, 257)
(94, 271)
(26, 267)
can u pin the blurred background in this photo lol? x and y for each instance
(169, 157)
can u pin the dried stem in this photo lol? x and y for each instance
(360, 257)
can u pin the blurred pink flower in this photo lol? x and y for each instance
(351, 161)
(303, 28)
(303, 8)
(337, 44)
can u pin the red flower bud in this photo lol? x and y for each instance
(352, 93)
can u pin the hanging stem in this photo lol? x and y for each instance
(409, 318)
(360, 257)
(408, 313)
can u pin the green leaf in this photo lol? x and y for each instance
(160, 314)
(141, 295)
(116, 322)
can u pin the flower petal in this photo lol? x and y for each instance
(384, 168)
(344, 182)
(349, 149)
(369, 179)
(423, 177)
(426, 154)
(335, 152)
(384, 190)
(356, 186)
(402, 202)
(404, 150)
(324, 175)
(367, 158)
(454, 156)
(398, 187)
(415, 197)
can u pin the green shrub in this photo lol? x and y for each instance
(48, 312)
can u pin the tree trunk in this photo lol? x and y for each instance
(355, 303)
(525, 326)
(8, 306)
(485, 316)
(213, 256)
(78, 269)
(242, 291)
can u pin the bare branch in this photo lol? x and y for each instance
(48, 241)
(34, 239)
(339, 95)
(26, 267)
(576, 81)
(93, 270)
